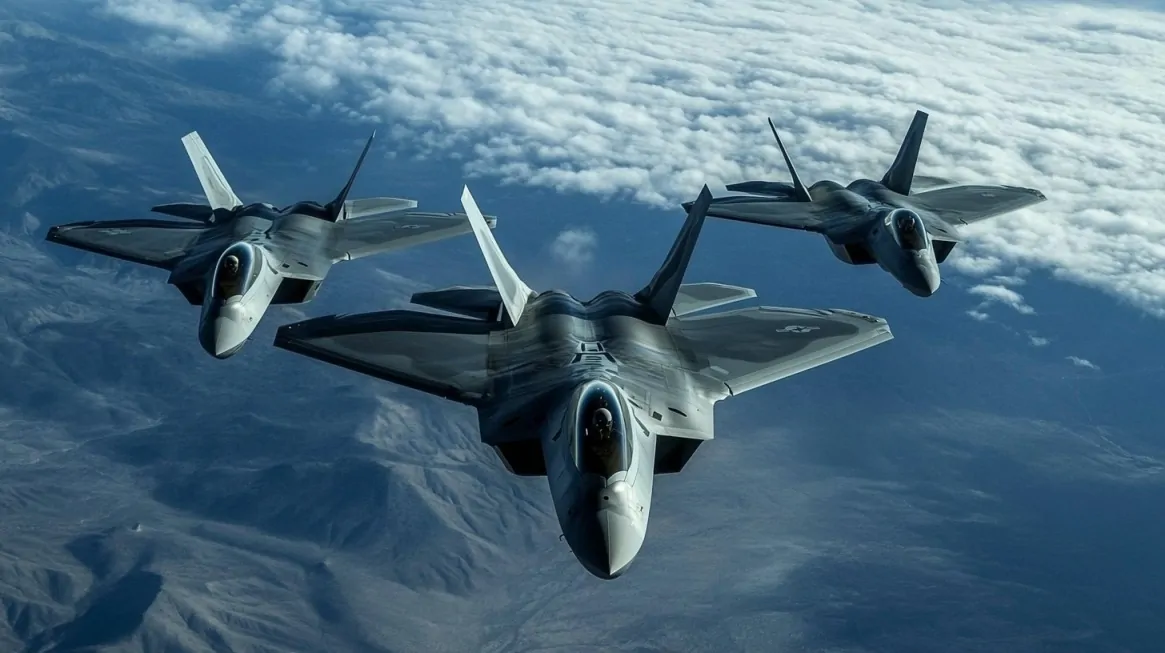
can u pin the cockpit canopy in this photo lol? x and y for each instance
(236, 271)
(602, 442)
(908, 230)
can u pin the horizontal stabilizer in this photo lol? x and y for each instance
(214, 184)
(900, 175)
(770, 188)
(186, 211)
(660, 294)
(514, 292)
(375, 206)
(926, 182)
(694, 297)
(479, 303)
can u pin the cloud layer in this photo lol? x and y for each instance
(574, 247)
(651, 100)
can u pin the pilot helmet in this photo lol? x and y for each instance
(602, 419)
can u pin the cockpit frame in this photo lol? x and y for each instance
(595, 452)
(908, 229)
(249, 266)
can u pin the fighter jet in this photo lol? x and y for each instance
(908, 234)
(235, 260)
(598, 396)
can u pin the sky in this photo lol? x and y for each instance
(648, 101)
(991, 475)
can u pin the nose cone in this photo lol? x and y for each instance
(925, 278)
(622, 540)
(228, 332)
(617, 536)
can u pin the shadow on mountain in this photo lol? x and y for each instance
(352, 505)
(112, 616)
(114, 608)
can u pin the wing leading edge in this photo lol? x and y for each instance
(752, 347)
(776, 212)
(375, 234)
(437, 354)
(968, 204)
(157, 243)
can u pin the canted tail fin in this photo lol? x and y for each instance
(795, 192)
(336, 207)
(214, 184)
(800, 193)
(900, 175)
(660, 294)
(514, 292)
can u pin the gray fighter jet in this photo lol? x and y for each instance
(598, 396)
(235, 260)
(907, 234)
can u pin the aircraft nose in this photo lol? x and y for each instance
(928, 278)
(622, 535)
(229, 331)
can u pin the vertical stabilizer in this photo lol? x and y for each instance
(901, 173)
(660, 294)
(514, 292)
(800, 193)
(336, 207)
(218, 192)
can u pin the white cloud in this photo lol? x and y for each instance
(652, 99)
(1037, 341)
(978, 315)
(1083, 362)
(1002, 295)
(574, 247)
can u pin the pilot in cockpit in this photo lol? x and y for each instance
(228, 276)
(600, 440)
(908, 231)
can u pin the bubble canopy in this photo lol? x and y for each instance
(236, 271)
(602, 440)
(908, 230)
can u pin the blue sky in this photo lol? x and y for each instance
(964, 484)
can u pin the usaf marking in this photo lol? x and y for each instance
(796, 328)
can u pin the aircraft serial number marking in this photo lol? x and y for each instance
(796, 328)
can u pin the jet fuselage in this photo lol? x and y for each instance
(602, 502)
(268, 245)
(893, 235)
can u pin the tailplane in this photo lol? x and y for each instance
(660, 294)
(515, 293)
(900, 175)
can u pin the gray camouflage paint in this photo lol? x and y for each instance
(528, 379)
(859, 221)
(290, 250)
